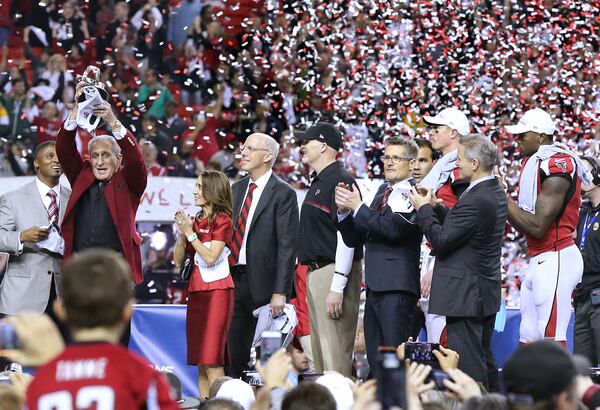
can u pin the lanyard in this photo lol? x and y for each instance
(586, 228)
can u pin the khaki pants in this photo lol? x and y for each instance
(332, 341)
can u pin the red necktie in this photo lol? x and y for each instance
(384, 200)
(238, 235)
(53, 208)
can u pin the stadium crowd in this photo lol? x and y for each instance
(309, 95)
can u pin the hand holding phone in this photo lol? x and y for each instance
(391, 384)
(270, 342)
(421, 352)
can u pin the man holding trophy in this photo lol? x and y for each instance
(107, 188)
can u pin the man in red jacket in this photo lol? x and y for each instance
(106, 189)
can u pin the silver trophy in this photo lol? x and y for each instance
(91, 96)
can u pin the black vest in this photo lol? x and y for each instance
(94, 226)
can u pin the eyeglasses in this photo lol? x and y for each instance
(250, 148)
(395, 158)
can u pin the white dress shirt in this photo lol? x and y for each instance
(43, 190)
(260, 187)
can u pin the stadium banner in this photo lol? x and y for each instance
(165, 195)
(158, 334)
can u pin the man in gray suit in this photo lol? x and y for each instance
(32, 276)
(467, 240)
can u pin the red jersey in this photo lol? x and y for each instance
(98, 375)
(220, 230)
(446, 192)
(560, 233)
(156, 170)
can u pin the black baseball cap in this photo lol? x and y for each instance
(539, 370)
(322, 132)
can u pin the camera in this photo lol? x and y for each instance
(8, 337)
(391, 385)
(252, 377)
(422, 353)
(10, 368)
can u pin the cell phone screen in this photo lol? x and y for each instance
(269, 344)
(422, 353)
(8, 337)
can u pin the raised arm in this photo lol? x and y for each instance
(548, 204)
(134, 168)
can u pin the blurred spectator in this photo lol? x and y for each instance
(173, 124)
(69, 26)
(181, 18)
(150, 154)
(59, 77)
(151, 132)
(153, 95)
(47, 124)
(118, 27)
(16, 105)
(148, 22)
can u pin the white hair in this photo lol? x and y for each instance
(113, 142)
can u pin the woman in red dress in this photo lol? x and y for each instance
(210, 299)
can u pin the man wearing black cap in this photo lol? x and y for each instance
(334, 270)
(541, 375)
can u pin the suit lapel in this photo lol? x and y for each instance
(378, 196)
(35, 201)
(265, 197)
(64, 200)
(240, 189)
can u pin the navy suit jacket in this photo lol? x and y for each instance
(392, 245)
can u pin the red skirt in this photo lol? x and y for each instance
(208, 318)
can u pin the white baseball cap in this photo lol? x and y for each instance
(536, 120)
(450, 117)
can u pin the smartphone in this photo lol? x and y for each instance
(438, 378)
(422, 353)
(309, 377)
(8, 337)
(391, 385)
(270, 342)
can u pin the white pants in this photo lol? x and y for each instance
(546, 294)
(434, 324)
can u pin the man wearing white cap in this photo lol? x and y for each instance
(446, 129)
(547, 212)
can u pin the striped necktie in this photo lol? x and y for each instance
(384, 200)
(238, 235)
(53, 208)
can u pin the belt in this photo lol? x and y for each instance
(238, 269)
(318, 264)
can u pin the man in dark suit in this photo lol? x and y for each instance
(107, 188)
(265, 215)
(392, 239)
(467, 241)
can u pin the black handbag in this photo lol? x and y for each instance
(186, 268)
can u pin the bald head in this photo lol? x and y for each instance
(258, 154)
(269, 144)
